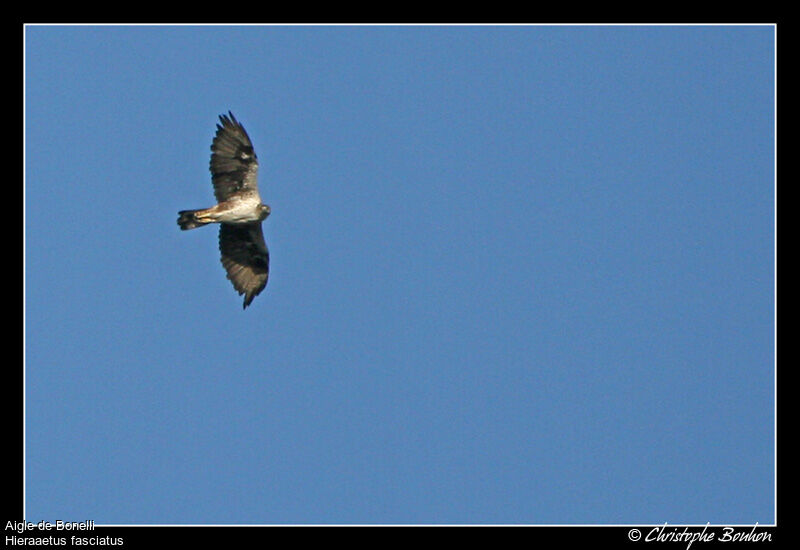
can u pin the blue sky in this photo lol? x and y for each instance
(519, 274)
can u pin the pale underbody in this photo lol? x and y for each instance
(233, 211)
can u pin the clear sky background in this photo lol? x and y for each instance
(518, 275)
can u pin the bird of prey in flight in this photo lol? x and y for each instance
(239, 212)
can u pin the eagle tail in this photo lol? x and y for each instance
(188, 219)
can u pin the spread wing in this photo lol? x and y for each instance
(245, 258)
(234, 165)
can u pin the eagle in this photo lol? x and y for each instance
(239, 210)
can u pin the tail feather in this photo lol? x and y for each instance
(187, 219)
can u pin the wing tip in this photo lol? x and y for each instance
(228, 124)
(248, 298)
(228, 119)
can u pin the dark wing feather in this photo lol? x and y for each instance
(245, 258)
(234, 165)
